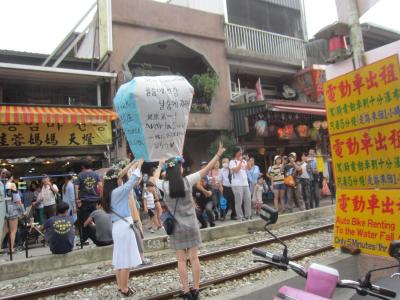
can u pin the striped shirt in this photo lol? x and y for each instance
(277, 174)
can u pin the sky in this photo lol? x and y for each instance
(40, 25)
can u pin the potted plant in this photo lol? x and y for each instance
(205, 86)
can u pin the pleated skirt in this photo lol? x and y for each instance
(125, 250)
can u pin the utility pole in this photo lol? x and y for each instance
(348, 12)
(356, 38)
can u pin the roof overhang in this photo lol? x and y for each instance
(52, 75)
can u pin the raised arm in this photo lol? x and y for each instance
(132, 164)
(238, 167)
(212, 162)
(157, 172)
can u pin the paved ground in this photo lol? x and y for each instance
(38, 250)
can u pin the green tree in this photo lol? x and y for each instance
(229, 143)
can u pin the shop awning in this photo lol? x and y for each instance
(299, 110)
(313, 109)
(56, 115)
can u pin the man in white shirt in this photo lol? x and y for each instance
(314, 183)
(226, 177)
(305, 179)
(240, 185)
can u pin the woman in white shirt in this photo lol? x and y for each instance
(47, 196)
(240, 185)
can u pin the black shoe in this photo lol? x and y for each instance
(186, 296)
(203, 226)
(212, 224)
(195, 294)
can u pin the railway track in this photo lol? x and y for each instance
(59, 289)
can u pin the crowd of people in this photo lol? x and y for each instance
(239, 187)
(109, 209)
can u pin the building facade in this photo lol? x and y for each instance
(53, 117)
(152, 38)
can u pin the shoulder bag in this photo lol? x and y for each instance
(134, 226)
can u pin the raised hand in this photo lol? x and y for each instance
(140, 163)
(221, 149)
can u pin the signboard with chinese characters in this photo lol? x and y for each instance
(154, 112)
(367, 97)
(367, 157)
(367, 219)
(363, 111)
(54, 135)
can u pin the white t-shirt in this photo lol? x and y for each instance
(240, 178)
(149, 197)
(47, 195)
(304, 173)
(192, 179)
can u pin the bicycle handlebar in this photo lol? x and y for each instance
(372, 290)
(299, 269)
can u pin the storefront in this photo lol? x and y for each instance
(36, 139)
(267, 128)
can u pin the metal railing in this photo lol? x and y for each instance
(264, 42)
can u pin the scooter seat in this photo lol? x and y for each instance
(289, 293)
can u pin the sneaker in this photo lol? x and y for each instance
(187, 296)
(151, 230)
(195, 294)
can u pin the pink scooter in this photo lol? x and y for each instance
(322, 281)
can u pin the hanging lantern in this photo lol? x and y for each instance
(302, 130)
(335, 34)
(260, 127)
(317, 124)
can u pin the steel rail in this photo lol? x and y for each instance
(237, 275)
(96, 281)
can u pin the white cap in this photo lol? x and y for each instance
(293, 154)
(276, 157)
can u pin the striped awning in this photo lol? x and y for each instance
(55, 115)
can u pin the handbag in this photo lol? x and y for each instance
(325, 189)
(134, 226)
(223, 203)
(168, 219)
(289, 181)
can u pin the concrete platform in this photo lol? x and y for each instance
(42, 260)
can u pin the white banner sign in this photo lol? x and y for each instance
(154, 112)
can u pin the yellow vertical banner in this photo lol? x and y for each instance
(363, 112)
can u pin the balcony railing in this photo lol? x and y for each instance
(264, 42)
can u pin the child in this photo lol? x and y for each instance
(149, 206)
(257, 195)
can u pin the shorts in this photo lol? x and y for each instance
(150, 212)
(12, 211)
(279, 187)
